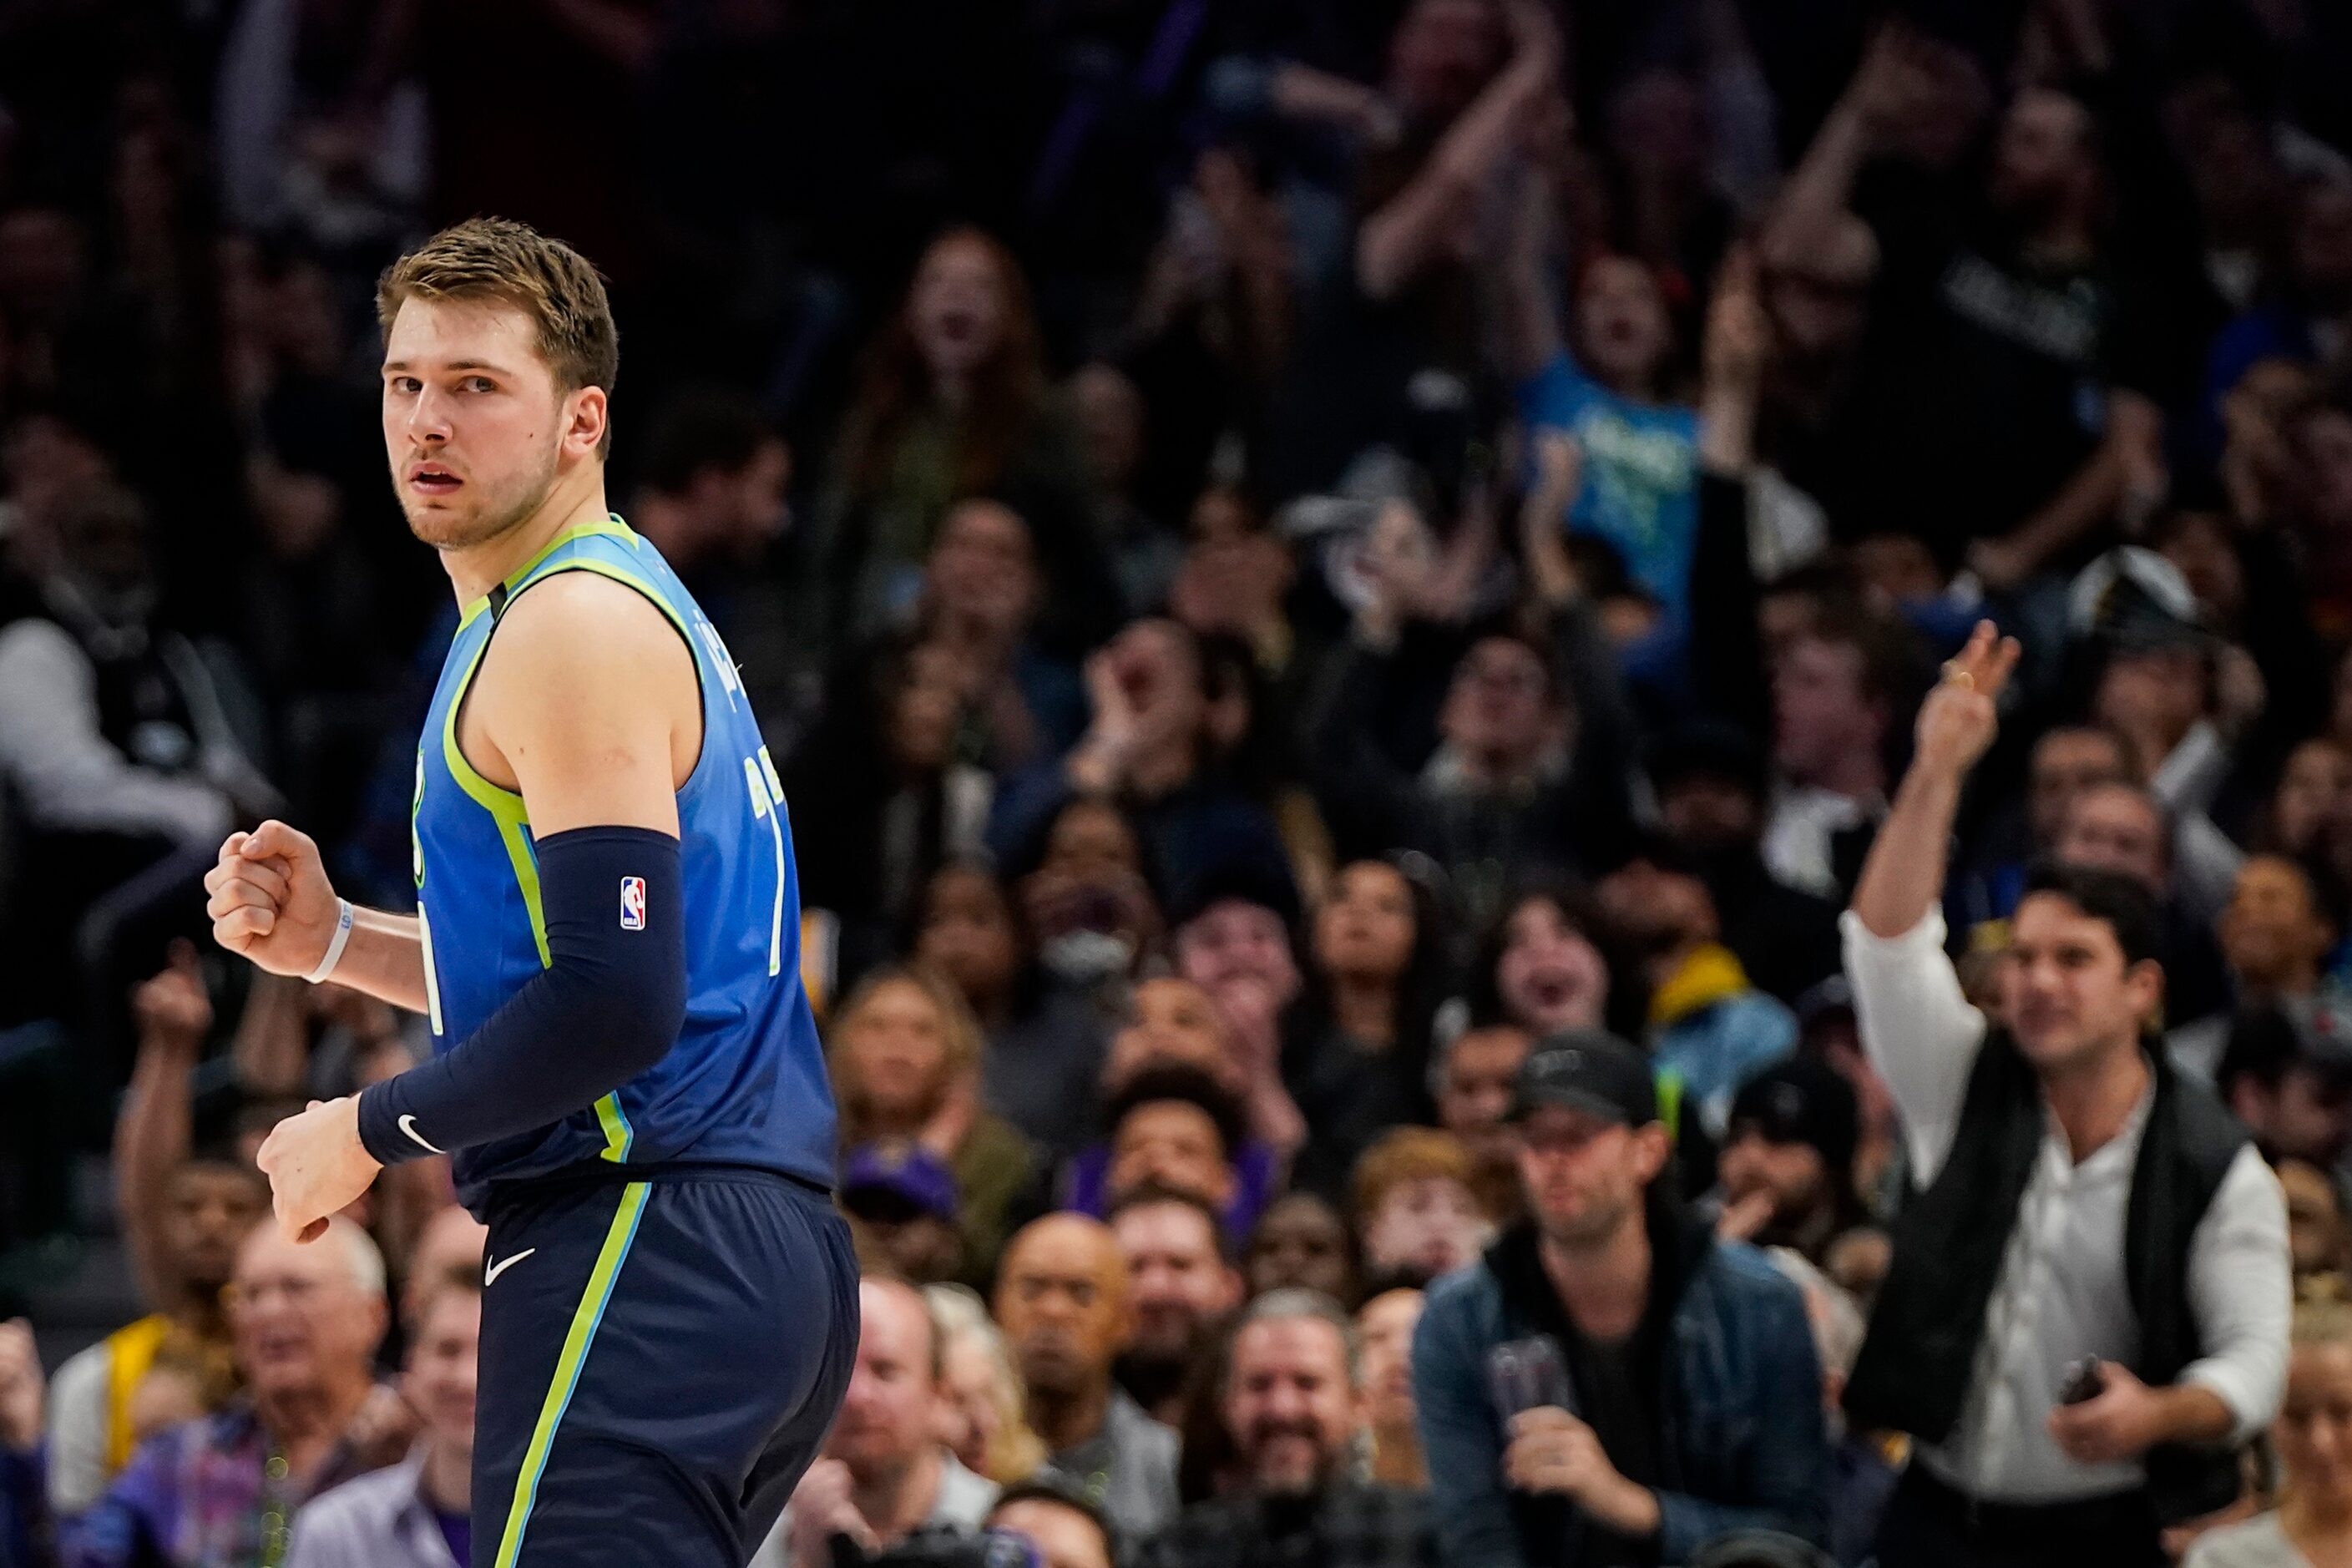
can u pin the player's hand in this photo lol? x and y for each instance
(1958, 721)
(316, 1166)
(272, 901)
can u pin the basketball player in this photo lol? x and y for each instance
(625, 1071)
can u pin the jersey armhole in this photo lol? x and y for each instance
(501, 600)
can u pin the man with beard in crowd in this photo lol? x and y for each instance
(1182, 1286)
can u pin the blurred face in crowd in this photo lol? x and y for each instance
(209, 1209)
(2273, 932)
(1158, 669)
(1550, 976)
(894, 1046)
(2158, 690)
(1622, 325)
(1091, 843)
(1066, 1537)
(1301, 1241)
(2200, 544)
(1170, 1021)
(983, 568)
(1795, 1175)
(1499, 708)
(476, 430)
(2306, 1115)
(441, 1367)
(1704, 811)
(1660, 910)
(891, 1415)
(1290, 1403)
(1235, 940)
(1475, 1092)
(2314, 1434)
(2043, 161)
(1585, 1174)
(2316, 1230)
(301, 1319)
(1423, 1227)
(1061, 1298)
(959, 306)
(452, 1242)
(1817, 288)
(1110, 421)
(1384, 1329)
(926, 709)
(1171, 1143)
(1441, 53)
(2065, 764)
(2068, 996)
(1820, 713)
(2117, 827)
(2312, 792)
(977, 1398)
(1367, 927)
(1180, 1282)
(967, 934)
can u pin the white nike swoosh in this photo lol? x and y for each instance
(408, 1125)
(490, 1276)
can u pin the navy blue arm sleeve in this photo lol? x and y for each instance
(607, 1006)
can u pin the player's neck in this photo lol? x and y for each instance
(577, 499)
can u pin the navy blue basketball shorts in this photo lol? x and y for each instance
(661, 1360)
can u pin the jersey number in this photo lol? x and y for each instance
(768, 806)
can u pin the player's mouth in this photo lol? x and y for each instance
(433, 479)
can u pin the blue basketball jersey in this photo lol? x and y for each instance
(745, 1081)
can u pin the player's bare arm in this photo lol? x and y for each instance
(587, 705)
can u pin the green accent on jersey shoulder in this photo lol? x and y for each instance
(590, 1312)
(610, 528)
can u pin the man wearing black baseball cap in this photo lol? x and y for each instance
(1787, 1166)
(1676, 1394)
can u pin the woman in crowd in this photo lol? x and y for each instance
(988, 1429)
(1541, 967)
(1357, 1062)
(906, 1055)
(2312, 1526)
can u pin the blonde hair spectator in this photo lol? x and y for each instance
(989, 1418)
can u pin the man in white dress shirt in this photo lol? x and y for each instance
(2074, 1202)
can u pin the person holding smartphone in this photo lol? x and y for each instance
(1613, 1385)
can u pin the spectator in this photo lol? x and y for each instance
(1182, 1288)
(952, 402)
(2124, 827)
(887, 1478)
(2283, 920)
(24, 1527)
(184, 1217)
(1385, 1327)
(1624, 1285)
(1710, 1030)
(1232, 937)
(1787, 1162)
(1149, 745)
(1834, 687)
(1045, 1042)
(1539, 968)
(1301, 1243)
(1473, 1094)
(2314, 1519)
(906, 1061)
(1294, 1404)
(2288, 1079)
(1068, 1530)
(902, 1205)
(2057, 1120)
(2066, 763)
(988, 1425)
(1092, 900)
(1361, 1061)
(1415, 1212)
(418, 1513)
(1063, 1297)
(982, 596)
(2319, 1240)
(225, 1490)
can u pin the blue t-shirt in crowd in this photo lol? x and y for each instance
(1640, 489)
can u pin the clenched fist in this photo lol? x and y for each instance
(272, 901)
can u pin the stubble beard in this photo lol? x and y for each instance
(499, 511)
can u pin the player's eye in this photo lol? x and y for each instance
(477, 384)
(406, 386)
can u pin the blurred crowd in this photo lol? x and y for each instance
(1340, 588)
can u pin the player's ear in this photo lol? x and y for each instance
(587, 413)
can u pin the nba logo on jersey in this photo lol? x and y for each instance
(632, 903)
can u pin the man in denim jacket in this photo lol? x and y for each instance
(1672, 1394)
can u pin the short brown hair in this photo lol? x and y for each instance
(497, 258)
(1408, 1154)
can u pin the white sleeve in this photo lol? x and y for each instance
(71, 775)
(2241, 1291)
(78, 1417)
(1919, 1030)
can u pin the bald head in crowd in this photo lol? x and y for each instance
(1062, 1300)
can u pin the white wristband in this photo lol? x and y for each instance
(334, 945)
